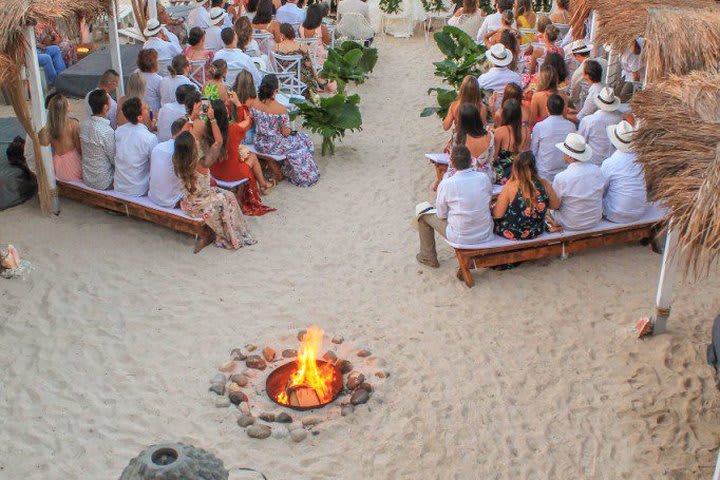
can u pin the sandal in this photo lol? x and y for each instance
(269, 185)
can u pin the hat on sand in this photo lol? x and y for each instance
(606, 100)
(217, 15)
(579, 46)
(621, 135)
(152, 28)
(575, 146)
(499, 55)
(421, 209)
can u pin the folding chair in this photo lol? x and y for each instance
(312, 45)
(287, 70)
(197, 72)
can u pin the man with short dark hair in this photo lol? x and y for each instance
(97, 141)
(165, 187)
(592, 74)
(493, 22)
(109, 82)
(462, 210)
(172, 111)
(235, 58)
(546, 134)
(133, 145)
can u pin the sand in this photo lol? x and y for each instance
(535, 373)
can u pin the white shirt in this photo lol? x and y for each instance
(168, 86)
(237, 59)
(213, 41)
(492, 23)
(290, 13)
(199, 17)
(594, 129)
(152, 91)
(545, 135)
(97, 140)
(631, 63)
(168, 114)
(111, 115)
(625, 192)
(133, 145)
(165, 187)
(464, 200)
(166, 50)
(589, 106)
(497, 78)
(353, 6)
(580, 190)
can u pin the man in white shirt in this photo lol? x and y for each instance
(172, 111)
(199, 16)
(133, 145)
(97, 140)
(594, 126)
(290, 13)
(109, 82)
(463, 210)
(579, 187)
(213, 40)
(157, 40)
(353, 6)
(499, 75)
(165, 187)
(170, 84)
(546, 134)
(581, 52)
(633, 67)
(625, 198)
(236, 59)
(493, 22)
(592, 73)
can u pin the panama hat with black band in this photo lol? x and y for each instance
(575, 147)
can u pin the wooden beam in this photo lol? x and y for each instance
(115, 57)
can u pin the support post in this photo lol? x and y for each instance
(115, 56)
(663, 301)
(39, 115)
(152, 9)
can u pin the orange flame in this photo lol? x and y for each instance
(309, 373)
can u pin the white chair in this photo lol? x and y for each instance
(428, 22)
(265, 41)
(287, 70)
(231, 75)
(197, 70)
(331, 31)
(312, 46)
(261, 63)
(163, 67)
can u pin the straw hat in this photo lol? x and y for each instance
(217, 15)
(499, 55)
(621, 135)
(575, 146)
(579, 46)
(606, 100)
(197, 3)
(153, 27)
(421, 209)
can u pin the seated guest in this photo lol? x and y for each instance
(549, 38)
(165, 188)
(215, 88)
(196, 52)
(359, 7)
(353, 22)
(594, 126)
(48, 35)
(463, 210)
(469, 93)
(625, 191)
(546, 134)
(288, 46)
(467, 18)
(471, 133)
(509, 39)
(63, 134)
(507, 19)
(246, 42)
(133, 145)
(264, 22)
(135, 87)
(290, 13)
(499, 75)
(547, 85)
(562, 14)
(526, 18)
(274, 136)
(523, 202)
(179, 69)
(97, 141)
(576, 54)
(493, 22)
(511, 138)
(633, 67)
(50, 59)
(159, 41)
(172, 111)
(312, 27)
(109, 82)
(235, 58)
(227, 7)
(579, 187)
(592, 73)
(217, 207)
(147, 63)
(199, 16)
(246, 92)
(174, 27)
(511, 92)
(213, 42)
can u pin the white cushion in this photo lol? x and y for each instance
(277, 158)
(230, 185)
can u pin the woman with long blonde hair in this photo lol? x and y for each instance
(526, 18)
(62, 133)
(469, 93)
(547, 84)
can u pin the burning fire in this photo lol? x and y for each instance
(310, 379)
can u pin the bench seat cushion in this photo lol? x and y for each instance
(230, 185)
(277, 158)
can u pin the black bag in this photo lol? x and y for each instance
(17, 182)
(713, 350)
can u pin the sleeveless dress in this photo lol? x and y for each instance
(212, 92)
(521, 221)
(526, 38)
(481, 163)
(68, 166)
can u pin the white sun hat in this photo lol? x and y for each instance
(579, 46)
(499, 55)
(152, 28)
(606, 100)
(575, 146)
(197, 3)
(217, 15)
(621, 135)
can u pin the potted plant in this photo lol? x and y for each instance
(330, 117)
(350, 62)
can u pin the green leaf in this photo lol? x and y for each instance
(428, 111)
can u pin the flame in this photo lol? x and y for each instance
(308, 372)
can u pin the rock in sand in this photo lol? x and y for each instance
(245, 420)
(359, 397)
(269, 354)
(258, 431)
(283, 417)
(298, 435)
(256, 362)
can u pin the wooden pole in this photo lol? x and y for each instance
(663, 300)
(152, 9)
(39, 115)
(115, 57)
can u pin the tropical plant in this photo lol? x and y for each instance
(390, 7)
(350, 62)
(330, 117)
(434, 6)
(463, 56)
(369, 57)
(444, 98)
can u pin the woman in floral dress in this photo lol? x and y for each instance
(290, 47)
(273, 136)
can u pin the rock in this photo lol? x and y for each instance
(365, 386)
(329, 357)
(256, 362)
(218, 388)
(298, 435)
(222, 402)
(363, 353)
(237, 397)
(268, 417)
(269, 354)
(355, 379)
(280, 431)
(283, 417)
(337, 339)
(228, 367)
(382, 374)
(311, 420)
(251, 347)
(359, 397)
(289, 353)
(233, 387)
(219, 378)
(244, 408)
(245, 420)
(238, 354)
(301, 334)
(258, 431)
(239, 378)
(346, 410)
(345, 366)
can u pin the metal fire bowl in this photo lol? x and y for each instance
(277, 381)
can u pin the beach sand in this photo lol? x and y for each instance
(535, 373)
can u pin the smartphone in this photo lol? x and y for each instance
(293, 132)
(205, 104)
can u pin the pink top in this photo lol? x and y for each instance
(68, 166)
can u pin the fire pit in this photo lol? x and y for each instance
(286, 386)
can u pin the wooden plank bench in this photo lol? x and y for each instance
(441, 161)
(501, 251)
(271, 160)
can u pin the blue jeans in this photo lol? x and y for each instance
(51, 60)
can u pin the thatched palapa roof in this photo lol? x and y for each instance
(580, 12)
(678, 144)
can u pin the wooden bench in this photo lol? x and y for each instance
(272, 162)
(441, 161)
(501, 251)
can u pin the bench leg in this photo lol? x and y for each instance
(465, 270)
(275, 170)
